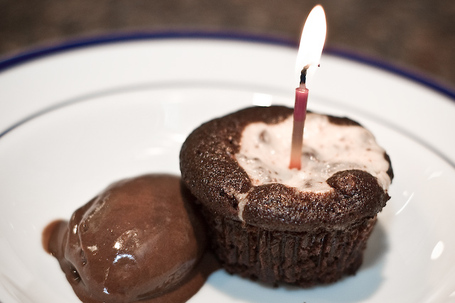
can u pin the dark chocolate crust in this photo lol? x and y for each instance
(211, 172)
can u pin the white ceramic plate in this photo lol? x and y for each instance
(77, 117)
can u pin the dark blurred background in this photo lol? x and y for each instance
(418, 35)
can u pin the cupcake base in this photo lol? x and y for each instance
(299, 258)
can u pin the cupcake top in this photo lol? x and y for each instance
(237, 165)
(328, 148)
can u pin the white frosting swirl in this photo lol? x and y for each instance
(327, 149)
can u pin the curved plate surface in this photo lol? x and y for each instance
(75, 121)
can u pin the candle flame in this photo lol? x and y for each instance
(311, 43)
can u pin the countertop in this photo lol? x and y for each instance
(417, 35)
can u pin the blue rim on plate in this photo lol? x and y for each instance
(123, 37)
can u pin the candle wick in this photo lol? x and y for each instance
(303, 76)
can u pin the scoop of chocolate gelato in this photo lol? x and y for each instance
(137, 239)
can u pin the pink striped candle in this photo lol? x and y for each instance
(310, 50)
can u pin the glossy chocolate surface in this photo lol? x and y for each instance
(138, 239)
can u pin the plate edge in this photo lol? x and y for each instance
(26, 56)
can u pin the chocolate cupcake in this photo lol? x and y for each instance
(275, 224)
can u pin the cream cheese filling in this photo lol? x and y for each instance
(327, 148)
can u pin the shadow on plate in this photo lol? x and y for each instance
(350, 289)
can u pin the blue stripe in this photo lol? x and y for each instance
(135, 36)
(400, 71)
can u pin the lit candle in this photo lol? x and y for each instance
(309, 54)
